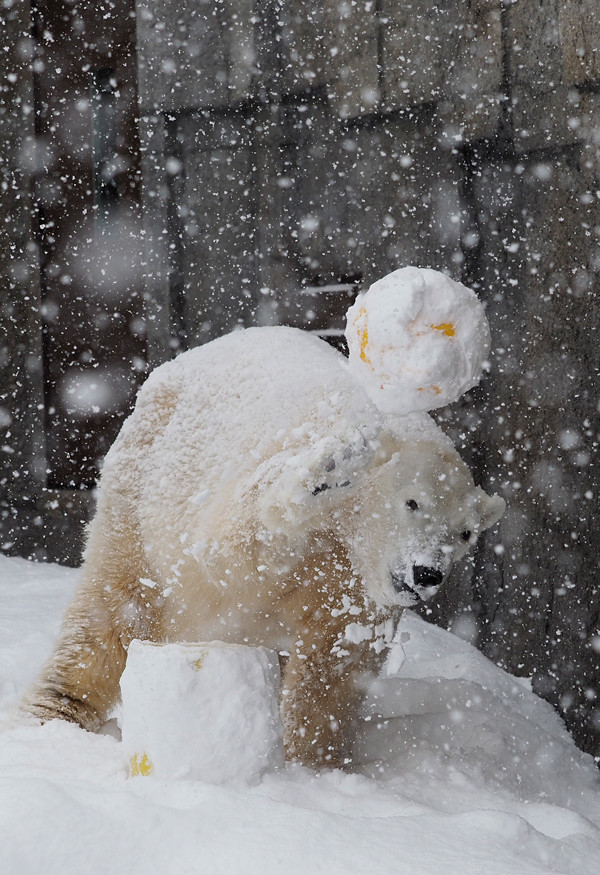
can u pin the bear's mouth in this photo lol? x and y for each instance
(425, 583)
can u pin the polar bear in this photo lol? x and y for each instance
(257, 496)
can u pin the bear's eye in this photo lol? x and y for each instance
(466, 536)
(412, 504)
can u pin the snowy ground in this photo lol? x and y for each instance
(469, 772)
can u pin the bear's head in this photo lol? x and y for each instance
(417, 513)
(404, 508)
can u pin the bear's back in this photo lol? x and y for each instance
(261, 378)
(252, 385)
(218, 410)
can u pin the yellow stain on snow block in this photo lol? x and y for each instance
(140, 766)
(199, 663)
(446, 328)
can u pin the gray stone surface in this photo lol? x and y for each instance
(538, 598)
(445, 51)
(216, 214)
(195, 53)
(579, 25)
(156, 264)
(545, 119)
(22, 450)
(474, 82)
(533, 42)
(419, 43)
(552, 48)
(302, 34)
(353, 49)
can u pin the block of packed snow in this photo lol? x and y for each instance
(417, 340)
(209, 712)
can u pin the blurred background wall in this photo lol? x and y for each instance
(172, 169)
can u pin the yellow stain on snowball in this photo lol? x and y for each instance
(436, 389)
(140, 766)
(363, 336)
(446, 328)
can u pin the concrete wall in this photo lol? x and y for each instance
(33, 520)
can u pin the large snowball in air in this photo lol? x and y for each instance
(209, 712)
(417, 340)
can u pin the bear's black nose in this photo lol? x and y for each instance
(427, 577)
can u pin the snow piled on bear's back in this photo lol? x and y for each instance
(250, 393)
(233, 403)
(471, 774)
(259, 387)
(220, 412)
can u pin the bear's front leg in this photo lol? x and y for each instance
(80, 681)
(322, 688)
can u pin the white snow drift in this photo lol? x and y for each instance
(463, 770)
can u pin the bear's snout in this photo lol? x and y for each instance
(425, 582)
(426, 577)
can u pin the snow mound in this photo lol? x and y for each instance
(177, 722)
(461, 769)
(417, 340)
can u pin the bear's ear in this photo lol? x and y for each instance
(294, 484)
(492, 508)
(334, 464)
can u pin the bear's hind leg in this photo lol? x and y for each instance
(80, 682)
